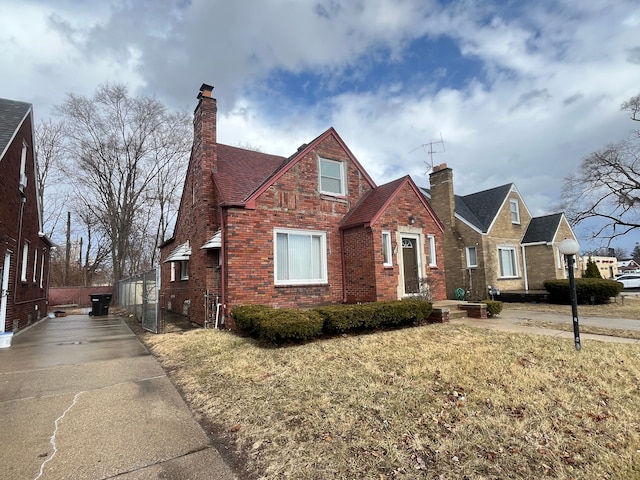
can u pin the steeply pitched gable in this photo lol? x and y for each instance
(542, 229)
(373, 204)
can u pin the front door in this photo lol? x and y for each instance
(410, 265)
(4, 288)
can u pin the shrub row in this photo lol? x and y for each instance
(278, 325)
(588, 290)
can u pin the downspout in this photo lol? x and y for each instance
(343, 262)
(524, 266)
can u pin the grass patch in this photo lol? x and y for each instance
(440, 401)
(627, 308)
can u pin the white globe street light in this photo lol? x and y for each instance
(569, 248)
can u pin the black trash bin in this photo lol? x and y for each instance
(100, 304)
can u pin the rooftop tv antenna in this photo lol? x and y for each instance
(430, 148)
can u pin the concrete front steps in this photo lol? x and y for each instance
(446, 310)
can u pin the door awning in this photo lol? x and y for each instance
(214, 242)
(182, 252)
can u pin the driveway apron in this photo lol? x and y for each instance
(82, 398)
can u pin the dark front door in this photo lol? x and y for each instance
(410, 265)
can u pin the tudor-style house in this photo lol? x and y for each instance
(492, 240)
(24, 249)
(299, 231)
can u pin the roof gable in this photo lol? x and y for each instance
(372, 205)
(300, 154)
(542, 229)
(12, 115)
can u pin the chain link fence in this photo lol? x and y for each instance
(139, 294)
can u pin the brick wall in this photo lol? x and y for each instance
(27, 301)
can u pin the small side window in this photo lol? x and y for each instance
(386, 249)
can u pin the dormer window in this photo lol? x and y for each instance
(515, 211)
(331, 177)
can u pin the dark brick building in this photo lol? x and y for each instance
(311, 229)
(24, 249)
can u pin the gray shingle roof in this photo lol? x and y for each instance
(12, 113)
(542, 229)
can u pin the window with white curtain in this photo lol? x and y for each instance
(472, 257)
(432, 250)
(301, 257)
(508, 264)
(515, 211)
(35, 264)
(42, 269)
(25, 257)
(386, 249)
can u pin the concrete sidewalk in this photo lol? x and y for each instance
(512, 321)
(82, 398)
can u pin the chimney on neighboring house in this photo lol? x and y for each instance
(442, 196)
(204, 129)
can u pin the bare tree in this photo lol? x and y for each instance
(119, 148)
(606, 186)
(49, 144)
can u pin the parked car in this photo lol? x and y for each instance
(629, 280)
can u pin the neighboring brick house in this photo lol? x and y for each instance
(492, 240)
(311, 229)
(24, 249)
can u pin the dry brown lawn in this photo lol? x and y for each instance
(435, 402)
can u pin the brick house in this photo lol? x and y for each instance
(24, 249)
(491, 239)
(311, 229)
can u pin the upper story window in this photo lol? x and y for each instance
(301, 257)
(472, 257)
(23, 167)
(332, 177)
(515, 211)
(386, 249)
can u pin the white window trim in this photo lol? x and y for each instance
(469, 264)
(25, 261)
(184, 269)
(23, 167)
(515, 262)
(513, 202)
(343, 183)
(433, 261)
(35, 264)
(386, 241)
(42, 269)
(173, 272)
(323, 260)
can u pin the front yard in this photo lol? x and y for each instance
(440, 401)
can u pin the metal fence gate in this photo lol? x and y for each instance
(139, 294)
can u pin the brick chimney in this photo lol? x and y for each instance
(442, 196)
(204, 130)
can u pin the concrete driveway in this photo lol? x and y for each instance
(82, 398)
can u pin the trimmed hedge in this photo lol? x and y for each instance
(278, 325)
(588, 290)
(494, 307)
(369, 316)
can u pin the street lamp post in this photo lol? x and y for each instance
(569, 248)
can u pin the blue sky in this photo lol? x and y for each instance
(519, 91)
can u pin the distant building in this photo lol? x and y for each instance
(608, 266)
